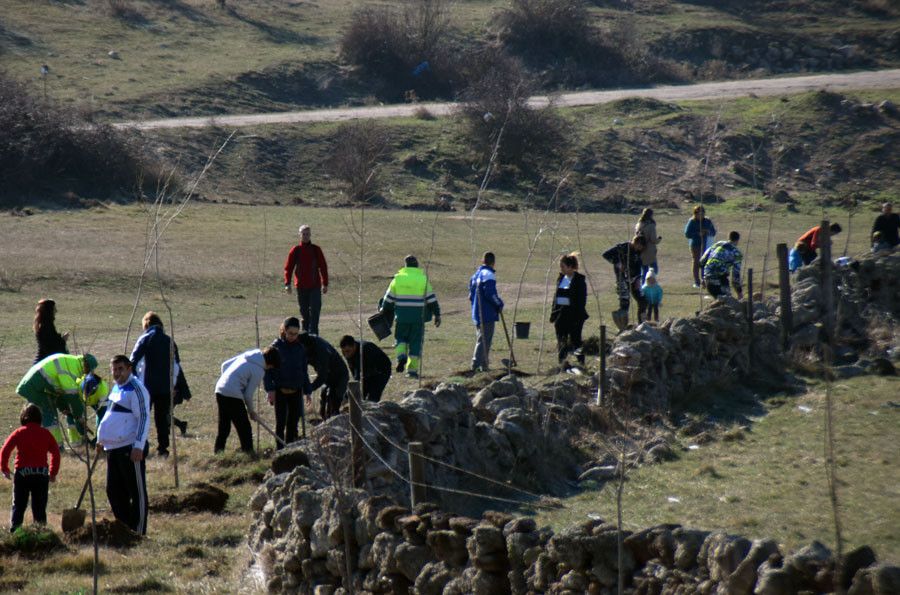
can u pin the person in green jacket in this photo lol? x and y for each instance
(58, 383)
(412, 302)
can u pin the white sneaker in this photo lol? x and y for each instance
(696, 286)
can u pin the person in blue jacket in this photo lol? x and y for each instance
(486, 308)
(288, 384)
(700, 233)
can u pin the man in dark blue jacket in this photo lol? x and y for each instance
(486, 308)
(288, 384)
(151, 360)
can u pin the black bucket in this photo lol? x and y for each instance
(522, 329)
(380, 325)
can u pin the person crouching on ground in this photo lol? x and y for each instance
(123, 434)
(653, 294)
(240, 378)
(716, 262)
(288, 384)
(368, 364)
(33, 475)
(569, 309)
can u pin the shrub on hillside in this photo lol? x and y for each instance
(548, 27)
(409, 49)
(358, 148)
(47, 149)
(495, 104)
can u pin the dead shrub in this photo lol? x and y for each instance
(548, 27)
(358, 148)
(45, 148)
(410, 49)
(496, 102)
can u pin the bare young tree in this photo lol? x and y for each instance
(357, 149)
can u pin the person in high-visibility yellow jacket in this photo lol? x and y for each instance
(411, 300)
(59, 383)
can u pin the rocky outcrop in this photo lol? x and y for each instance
(301, 539)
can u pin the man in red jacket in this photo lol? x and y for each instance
(307, 264)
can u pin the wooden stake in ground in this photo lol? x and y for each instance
(784, 287)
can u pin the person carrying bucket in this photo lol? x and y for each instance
(486, 308)
(58, 383)
(411, 299)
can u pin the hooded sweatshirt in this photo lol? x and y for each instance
(241, 376)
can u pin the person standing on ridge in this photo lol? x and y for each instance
(486, 308)
(306, 263)
(412, 301)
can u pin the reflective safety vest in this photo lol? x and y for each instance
(411, 297)
(62, 372)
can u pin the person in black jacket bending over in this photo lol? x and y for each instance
(569, 308)
(150, 358)
(331, 373)
(49, 341)
(287, 385)
(626, 259)
(373, 362)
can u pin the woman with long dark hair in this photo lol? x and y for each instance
(49, 341)
(646, 228)
(569, 308)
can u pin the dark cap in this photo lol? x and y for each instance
(411, 261)
(291, 322)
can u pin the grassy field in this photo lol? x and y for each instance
(191, 55)
(216, 260)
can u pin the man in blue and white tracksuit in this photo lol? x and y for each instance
(486, 307)
(122, 433)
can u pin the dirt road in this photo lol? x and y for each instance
(882, 79)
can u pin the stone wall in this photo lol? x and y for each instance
(301, 540)
(649, 367)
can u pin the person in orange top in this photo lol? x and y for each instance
(32, 444)
(810, 242)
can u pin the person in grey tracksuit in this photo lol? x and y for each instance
(240, 378)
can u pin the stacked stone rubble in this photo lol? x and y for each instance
(301, 539)
(651, 366)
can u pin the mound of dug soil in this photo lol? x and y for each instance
(111, 533)
(202, 497)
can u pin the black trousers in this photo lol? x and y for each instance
(233, 411)
(373, 387)
(126, 488)
(288, 410)
(717, 286)
(568, 335)
(161, 411)
(333, 394)
(33, 483)
(310, 302)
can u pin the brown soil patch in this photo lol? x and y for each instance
(202, 497)
(110, 533)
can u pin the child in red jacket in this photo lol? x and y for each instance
(32, 477)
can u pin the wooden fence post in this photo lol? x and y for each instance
(603, 387)
(416, 473)
(357, 454)
(827, 282)
(784, 286)
(750, 316)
